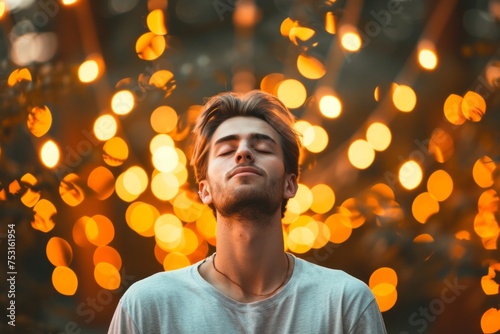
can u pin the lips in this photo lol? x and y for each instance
(244, 169)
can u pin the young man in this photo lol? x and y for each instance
(245, 159)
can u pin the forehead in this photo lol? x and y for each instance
(242, 126)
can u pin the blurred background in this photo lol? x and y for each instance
(397, 102)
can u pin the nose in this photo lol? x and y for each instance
(244, 154)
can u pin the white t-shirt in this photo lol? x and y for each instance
(314, 300)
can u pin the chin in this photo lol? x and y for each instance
(249, 202)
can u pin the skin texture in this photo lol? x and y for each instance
(246, 182)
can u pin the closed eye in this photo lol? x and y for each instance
(224, 153)
(263, 147)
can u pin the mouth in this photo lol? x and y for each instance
(244, 171)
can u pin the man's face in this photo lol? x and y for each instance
(246, 174)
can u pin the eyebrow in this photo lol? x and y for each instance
(253, 137)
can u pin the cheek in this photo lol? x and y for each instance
(276, 167)
(215, 170)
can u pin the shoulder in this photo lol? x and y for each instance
(348, 297)
(335, 280)
(161, 283)
(143, 306)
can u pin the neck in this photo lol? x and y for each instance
(250, 246)
(251, 254)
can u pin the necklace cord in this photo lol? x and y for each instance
(251, 293)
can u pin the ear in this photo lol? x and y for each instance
(204, 192)
(290, 186)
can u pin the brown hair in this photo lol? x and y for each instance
(252, 104)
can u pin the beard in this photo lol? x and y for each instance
(257, 204)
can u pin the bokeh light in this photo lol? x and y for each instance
(31, 196)
(440, 185)
(404, 98)
(3, 8)
(121, 188)
(323, 198)
(301, 127)
(19, 75)
(379, 136)
(453, 109)
(188, 210)
(302, 234)
(115, 151)
(482, 172)
(122, 102)
(141, 218)
(310, 67)
(49, 154)
(135, 180)
(246, 15)
(33, 47)
(64, 280)
(410, 174)
(490, 321)
(164, 186)
(340, 227)
(89, 71)
(70, 190)
(271, 82)
(299, 35)
(163, 119)
(165, 159)
(107, 276)
(109, 255)
(486, 225)
(383, 275)
(150, 46)
(488, 201)
(39, 120)
(351, 41)
(105, 127)
(427, 59)
(286, 26)
(156, 22)
(424, 206)
(300, 239)
(473, 106)
(315, 139)
(44, 213)
(168, 231)
(59, 252)
(321, 232)
(330, 106)
(292, 93)
(163, 80)
(160, 140)
(206, 225)
(99, 230)
(101, 181)
(175, 260)
(361, 154)
(330, 24)
(302, 200)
